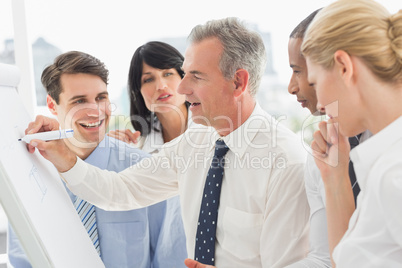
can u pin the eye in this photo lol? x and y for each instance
(168, 74)
(79, 101)
(102, 97)
(147, 80)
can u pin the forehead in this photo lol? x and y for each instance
(81, 84)
(294, 49)
(203, 55)
(313, 68)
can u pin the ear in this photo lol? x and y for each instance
(240, 82)
(344, 64)
(51, 105)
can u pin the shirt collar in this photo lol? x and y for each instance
(239, 140)
(103, 149)
(364, 155)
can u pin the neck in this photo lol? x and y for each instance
(173, 123)
(244, 109)
(81, 151)
(382, 111)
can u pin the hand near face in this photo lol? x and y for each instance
(331, 151)
(125, 135)
(195, 264)
(55, 151)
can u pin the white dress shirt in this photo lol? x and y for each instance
(263, 212)
(374, 236)
(318, 256)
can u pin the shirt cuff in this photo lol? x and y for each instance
(76, 174)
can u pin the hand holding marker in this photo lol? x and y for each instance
(49, 136)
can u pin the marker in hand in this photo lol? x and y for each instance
(49, 136)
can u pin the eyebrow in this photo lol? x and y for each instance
(84, 96)
(294, 65)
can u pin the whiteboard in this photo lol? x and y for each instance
(33, 195)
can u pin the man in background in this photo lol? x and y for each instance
(321, 242)
(76, 84)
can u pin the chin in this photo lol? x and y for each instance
(351, 132)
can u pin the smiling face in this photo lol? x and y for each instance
(159, 89)
(210, 94)
(84, 107)
(298, 84)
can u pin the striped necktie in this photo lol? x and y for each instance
(86, 211)
(208, 217)
(354, 141)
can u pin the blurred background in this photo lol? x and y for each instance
(112, 30)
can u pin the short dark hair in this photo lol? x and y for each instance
(300, 29)
(72, 62)
(157, 55)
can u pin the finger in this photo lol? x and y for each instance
(195, 264)
(137, 134)
(30, 148)
(317, 149)
(320, 143)
(323, 129)
(41, 124)
(332, 130)
(132, 137)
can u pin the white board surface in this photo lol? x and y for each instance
(33, 195)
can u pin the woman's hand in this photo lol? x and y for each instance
(125, 135)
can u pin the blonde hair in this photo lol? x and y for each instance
(362, 28)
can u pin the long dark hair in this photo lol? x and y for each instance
(157, 55)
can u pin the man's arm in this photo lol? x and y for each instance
(318, 256)
(284, 236)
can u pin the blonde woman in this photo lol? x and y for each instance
(354, 57)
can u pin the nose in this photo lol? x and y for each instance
(162, 84)
(293, 86)
(320, 108)
(93, 109)
(183, 88)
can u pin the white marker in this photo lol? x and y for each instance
(49, 136)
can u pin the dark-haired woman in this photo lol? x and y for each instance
(158, 114)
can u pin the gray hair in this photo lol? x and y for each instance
(242, 48)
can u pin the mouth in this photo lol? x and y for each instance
(193, 104)
(303, 103)
(163, 97)
(92, 125)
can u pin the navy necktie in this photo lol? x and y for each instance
(354, 141)
(207, 221)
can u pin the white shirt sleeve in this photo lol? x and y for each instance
(137, 186)
(318, 255)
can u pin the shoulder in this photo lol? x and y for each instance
(281, 139)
